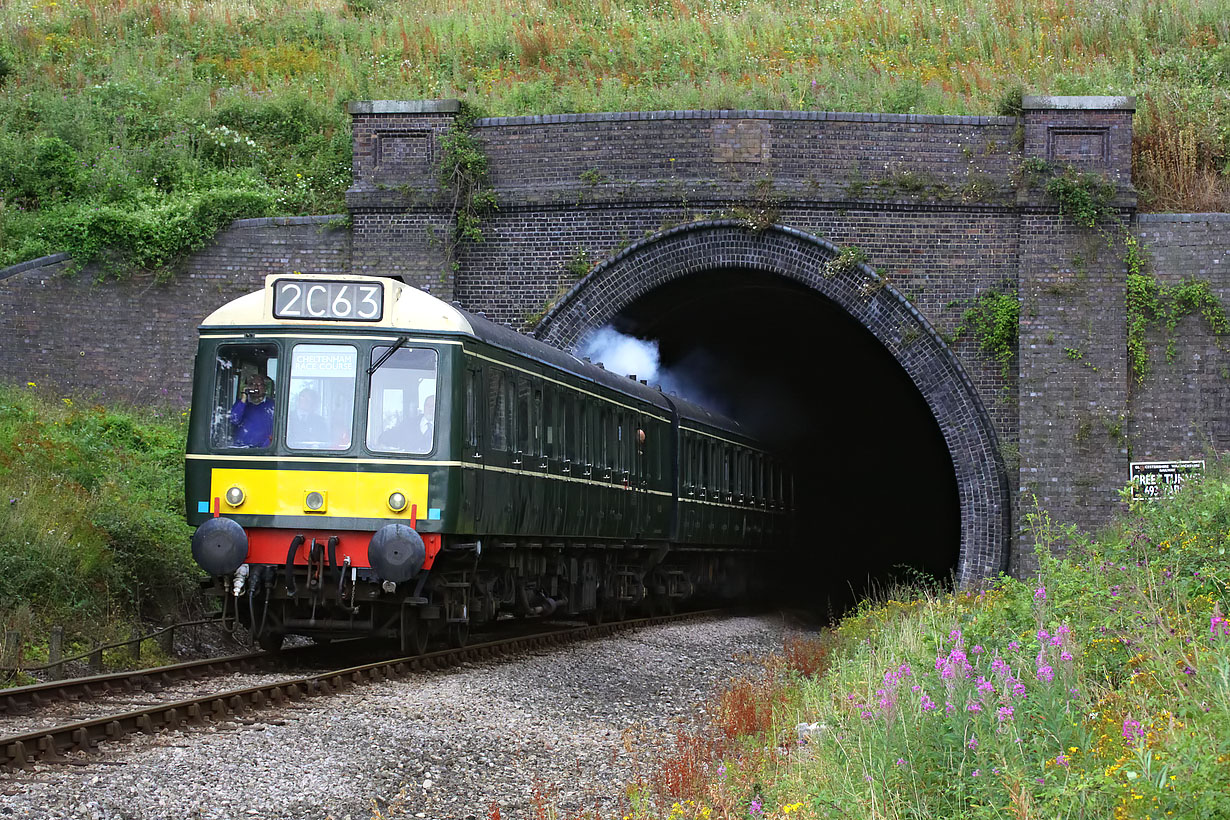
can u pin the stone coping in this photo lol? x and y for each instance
(1079, 103)
(269, 221)
(453, 106)
(42, 261)
(1209, 217)
(404, 107)
(746, 114)
(256, 222)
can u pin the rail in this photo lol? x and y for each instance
(20, 751)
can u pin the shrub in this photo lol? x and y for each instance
(91, 512)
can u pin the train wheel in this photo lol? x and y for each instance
(661, 605)
(597, 615)
(459, 634)
(270, 641)
(413, 632)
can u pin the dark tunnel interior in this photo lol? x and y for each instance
(875, 491)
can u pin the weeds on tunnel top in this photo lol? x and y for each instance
(1099, 688)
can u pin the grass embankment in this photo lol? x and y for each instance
(130, 130)
(1100, 689)
(92, 532)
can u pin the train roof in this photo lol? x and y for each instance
(408, 309)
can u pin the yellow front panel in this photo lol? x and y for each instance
(347, 495)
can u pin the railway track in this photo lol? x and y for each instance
(51, 744)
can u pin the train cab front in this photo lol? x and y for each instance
(317, 466)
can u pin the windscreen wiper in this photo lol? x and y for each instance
(400, 343)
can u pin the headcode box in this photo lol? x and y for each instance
(1159, 479)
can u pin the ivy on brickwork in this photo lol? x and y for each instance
(120, 240)
(1087, 199)
(994, 322)
(1150, 303)
(463, 172)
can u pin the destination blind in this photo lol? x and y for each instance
(334, 301)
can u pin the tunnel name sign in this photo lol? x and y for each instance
(1160, 479)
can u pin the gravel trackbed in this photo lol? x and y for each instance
(451, 744)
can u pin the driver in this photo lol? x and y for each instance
(306, 427)
(252, 415)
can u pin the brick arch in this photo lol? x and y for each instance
(982, 481)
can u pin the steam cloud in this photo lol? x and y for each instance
(628, 356)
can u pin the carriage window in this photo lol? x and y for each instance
(401, 409)
(604, 438)
(474, 387)
(536, 446)
(620, 462)
(321, 396)
(727, 469)
(693, 463)
(584, 433)
(497, 410)
(523, 417)
(563, 445)
(245, 378)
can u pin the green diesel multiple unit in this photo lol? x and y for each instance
(366, 459)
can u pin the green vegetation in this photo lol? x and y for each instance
(1098, 689)
(847, 261)
(131, 129)
(1150, 303)
(994, 321)
(92, 531)
(1084, 197)
(463, 172)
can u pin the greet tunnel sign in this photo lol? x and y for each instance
(1160, 479)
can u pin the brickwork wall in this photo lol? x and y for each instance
(707, 154)
(402, 220)
(1073, 332)
(135, 340)
(1073, 373)
(1182, 411)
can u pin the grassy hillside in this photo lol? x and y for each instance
(92, 530)
(1099, 689)
(130, 130)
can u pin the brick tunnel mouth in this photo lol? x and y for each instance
(875, 489)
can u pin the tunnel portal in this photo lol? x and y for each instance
(895, 459)
(874, 485)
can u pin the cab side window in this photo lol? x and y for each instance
(245, 382)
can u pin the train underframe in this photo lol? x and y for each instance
(474, 582)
